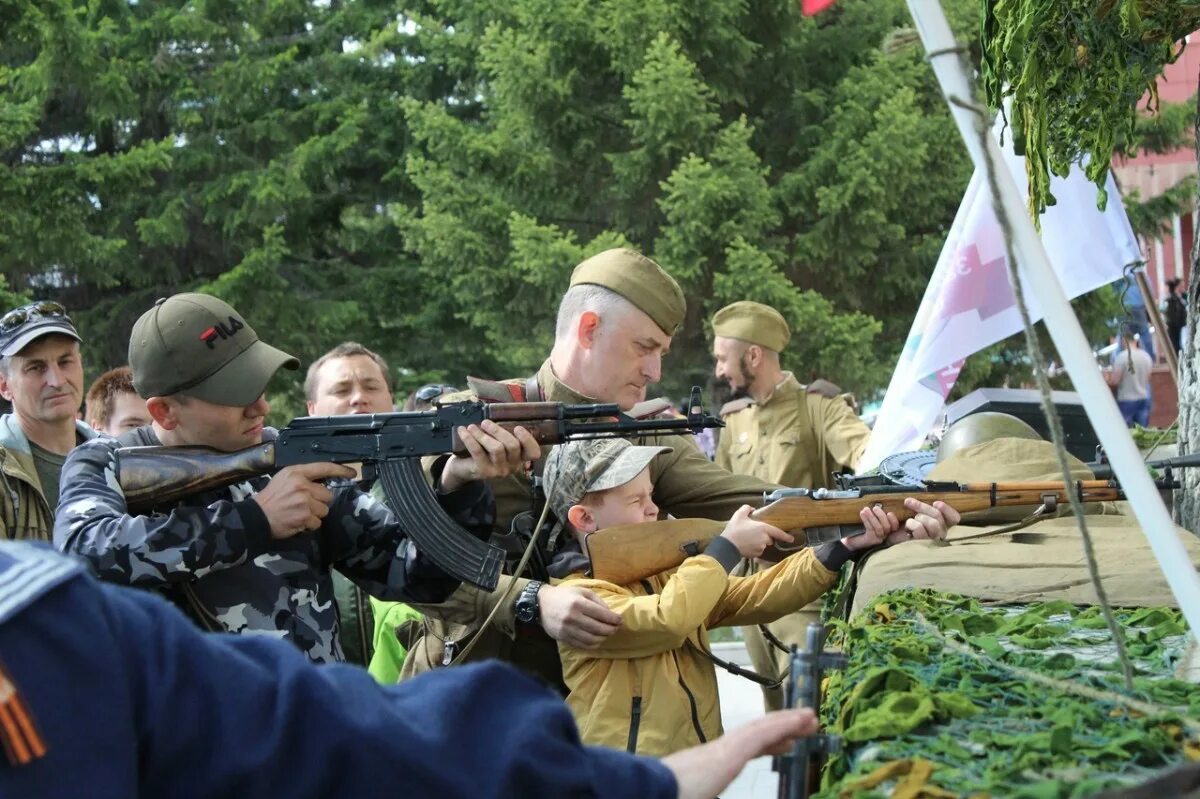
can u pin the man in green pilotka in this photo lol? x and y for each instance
(41, 374)
(615, 323)
(781, 432)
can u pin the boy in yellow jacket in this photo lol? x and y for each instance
(649, 687)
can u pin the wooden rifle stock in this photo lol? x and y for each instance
(631, 552)
(153, 476)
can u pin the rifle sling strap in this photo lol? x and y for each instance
(533, 390)
(773, 640)
(1047, 510)
(735, 669)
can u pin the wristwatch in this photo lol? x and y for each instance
(526, 605)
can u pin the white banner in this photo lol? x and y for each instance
(970, 305)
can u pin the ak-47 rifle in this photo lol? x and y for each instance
(389, 446)
(630, 552)
(799, 770)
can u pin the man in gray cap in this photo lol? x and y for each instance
(254, 557)
(615, 323)
(41, 374)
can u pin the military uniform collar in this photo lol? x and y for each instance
(785, 388)
(555, 390)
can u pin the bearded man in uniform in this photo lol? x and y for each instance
(781, 432)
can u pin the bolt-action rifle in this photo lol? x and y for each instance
(630, 552)
(389, 447)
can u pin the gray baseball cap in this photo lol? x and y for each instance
(580, 467)
(200, 346)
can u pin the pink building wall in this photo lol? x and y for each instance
(1151, 174)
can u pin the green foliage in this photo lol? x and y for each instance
(1167, 130)
(246, 149)
(754, 153)
(1075, 71)
(422, 176)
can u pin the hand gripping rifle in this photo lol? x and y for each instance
(799, 771)
(389, 446)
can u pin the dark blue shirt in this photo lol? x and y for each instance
(130, 699)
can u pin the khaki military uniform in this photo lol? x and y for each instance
(686, 484)
(797, 439)
(24, 511)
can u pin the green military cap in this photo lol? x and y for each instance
(197, 345)
(639, 280)
(578, 468)
(753, 322)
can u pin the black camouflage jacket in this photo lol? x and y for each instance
(214, 555)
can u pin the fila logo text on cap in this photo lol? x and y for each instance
(221, 331)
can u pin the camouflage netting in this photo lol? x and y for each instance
(945, 696)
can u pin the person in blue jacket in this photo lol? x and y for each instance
(107, 691)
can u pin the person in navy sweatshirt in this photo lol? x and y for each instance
(108, 691)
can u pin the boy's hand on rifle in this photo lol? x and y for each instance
(576, 616)
(752, 537)
(296, 499)
(494, 452)
(928, 523)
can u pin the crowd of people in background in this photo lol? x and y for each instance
(299, 563)
(310, 564)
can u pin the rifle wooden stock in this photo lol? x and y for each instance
(631, 552)
(153, 476)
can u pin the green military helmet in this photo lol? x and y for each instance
(980, 427)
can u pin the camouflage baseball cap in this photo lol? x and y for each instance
(753, 322)
(197, 345)
(639, 280)
(581, 467)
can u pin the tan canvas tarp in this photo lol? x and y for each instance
(1040, 562)
(1051, 567)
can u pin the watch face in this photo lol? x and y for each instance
(526, 610)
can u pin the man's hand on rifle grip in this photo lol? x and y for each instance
(296, 498)
(494, 452)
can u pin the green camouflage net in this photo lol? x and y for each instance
(944, 696)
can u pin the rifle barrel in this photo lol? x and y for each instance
(1104, 470)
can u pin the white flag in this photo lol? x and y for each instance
(969, 303)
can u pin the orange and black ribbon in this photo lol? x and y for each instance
(22, 742)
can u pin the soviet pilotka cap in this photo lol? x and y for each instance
(753, 322)
(639, 280)
(20, 326)
(577, 468)
(197, 345)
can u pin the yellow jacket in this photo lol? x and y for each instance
(649, 688)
